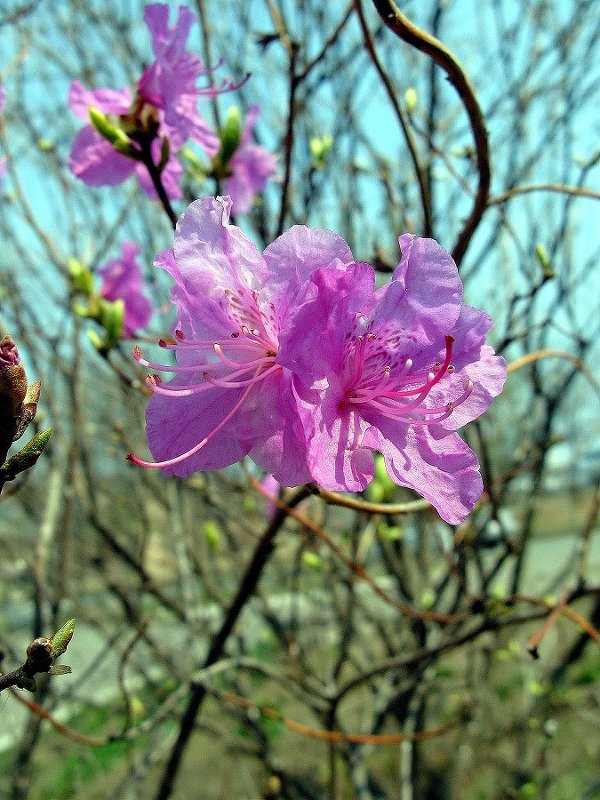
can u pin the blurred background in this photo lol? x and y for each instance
(372, 141)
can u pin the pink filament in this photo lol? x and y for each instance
(170, 462)
(262, 365)
(385, 393)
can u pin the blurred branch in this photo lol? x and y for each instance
(517, 191)
(245, 591)
(530, 358)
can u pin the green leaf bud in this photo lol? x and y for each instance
(112, 132)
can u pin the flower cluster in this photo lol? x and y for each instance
(294, 358)
(164, 108)
(160, 117)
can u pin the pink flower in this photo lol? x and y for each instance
(251, 166)
(164, 106)
(230, 397)
(122, 280)
(169, 83)
(395, 370)
(294, 358)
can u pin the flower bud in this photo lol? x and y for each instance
(18, 402)
(230, 134)
(13, 380)
(112, 133)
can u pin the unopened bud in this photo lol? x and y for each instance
(83, 280)
(40, 651)
(13, 380)
(18, 405)
(230, 135)
(544, 260)
(411, 99)
(112, 314)
(112, 133)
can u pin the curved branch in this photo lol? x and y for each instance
(421, 40)
(516, 191)
(412, 149)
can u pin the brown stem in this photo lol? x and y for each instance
(288, 142)
(155, 176)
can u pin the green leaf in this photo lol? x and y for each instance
(26, 457)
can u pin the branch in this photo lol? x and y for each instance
(41, 655)
(561, 188)
(246, 589)
(421, 40)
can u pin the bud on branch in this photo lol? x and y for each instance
(18, 406)
(41, 655)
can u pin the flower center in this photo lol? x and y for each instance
(397, 391)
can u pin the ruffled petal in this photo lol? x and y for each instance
(175, 425)
(94, 161)
(444, 471)
(472, 360)
(312, 340)
(219, 267)
(280, 443)
(431, 292)
(293, 258)
(338, 441)
(109, 101)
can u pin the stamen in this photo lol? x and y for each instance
(170, 462)
(226, 384)
(399, 396)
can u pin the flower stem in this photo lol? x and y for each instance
(156, 179)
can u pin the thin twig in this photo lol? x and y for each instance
(403, 122)
(516, 191)
(421, 40)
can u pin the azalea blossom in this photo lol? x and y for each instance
(294, 358)
(395, 370)
(250, 166)
(122, 280)
(169, 83)
(229, 396)
(163, 107)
